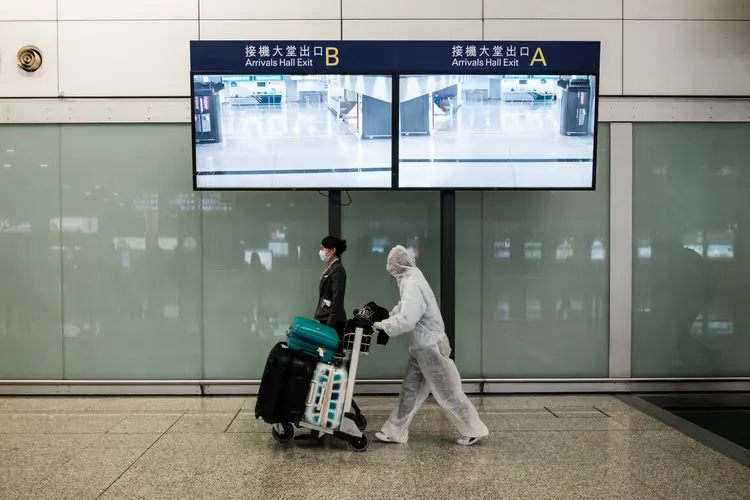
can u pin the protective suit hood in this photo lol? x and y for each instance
(400, 262)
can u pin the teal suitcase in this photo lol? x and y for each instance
(313, 340)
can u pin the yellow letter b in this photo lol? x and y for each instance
(332, 56)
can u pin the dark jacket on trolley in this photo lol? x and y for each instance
(330, 310)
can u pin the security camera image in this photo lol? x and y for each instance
(497, 131)
(292, 131)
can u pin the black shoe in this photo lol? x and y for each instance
(309, 439)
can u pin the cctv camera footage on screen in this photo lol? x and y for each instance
(497, 131)
(292, 131)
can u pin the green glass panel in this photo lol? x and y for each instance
(260, 269)
(532, 279)
(30, 304)
(691, 222)
(132, 262)
(373, 223)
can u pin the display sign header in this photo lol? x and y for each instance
(274, 57)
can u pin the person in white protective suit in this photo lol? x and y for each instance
(430, 366)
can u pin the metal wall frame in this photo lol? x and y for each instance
(177, 110)
(369, 387)
(620, 248)
(620, 112)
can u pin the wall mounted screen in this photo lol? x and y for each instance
(323, 115)
(497, 131)
(292, 131)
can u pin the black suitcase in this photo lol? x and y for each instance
(282, 395)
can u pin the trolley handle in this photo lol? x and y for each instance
(365, 343)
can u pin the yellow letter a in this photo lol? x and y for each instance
(538, 57)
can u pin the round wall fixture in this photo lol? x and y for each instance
(29, 58)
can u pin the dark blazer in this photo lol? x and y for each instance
(330, 309)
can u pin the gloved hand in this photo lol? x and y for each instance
(382, 338)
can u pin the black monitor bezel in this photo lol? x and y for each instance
(396, 133)
(394, 122)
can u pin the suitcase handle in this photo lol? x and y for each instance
(312, 393)
(323, 394)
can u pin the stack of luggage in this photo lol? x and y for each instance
(305, 380)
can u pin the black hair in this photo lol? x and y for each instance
(332, 242)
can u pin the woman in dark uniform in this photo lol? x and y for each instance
(330, 309)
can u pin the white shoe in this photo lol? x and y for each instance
(381, 436)
(468, 441)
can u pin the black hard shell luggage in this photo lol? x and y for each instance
(282, 395)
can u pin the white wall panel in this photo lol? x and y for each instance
(412, 9)
(284, 9)
(554, 9)
(688, 9)
(15, 82)
(125, 58)
(28, 10)
(690, 58)
(608, 32)
(413, 30)
(270, 30)
(96, 10)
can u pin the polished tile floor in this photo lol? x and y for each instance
(546, 447)
(296, 145)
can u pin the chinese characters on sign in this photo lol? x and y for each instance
(507, 56)
(272, 56)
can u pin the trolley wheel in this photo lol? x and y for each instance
(360, 444)
(286, 434)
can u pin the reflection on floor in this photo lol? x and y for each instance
(550, 447)
(727, 415)
(486, 143)
(292, 145)
(498, 144)
(477, 174)
(494, 130)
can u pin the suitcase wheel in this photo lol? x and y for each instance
(283, 433)
(360, 444)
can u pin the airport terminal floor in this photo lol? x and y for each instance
(547, 447)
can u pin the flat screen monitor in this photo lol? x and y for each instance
(693, 241)
(379, 245)
(259, 257)
(465, 131)
(598, 249)
(532, 250)
(564, 250)
(720, 246)
(261, 131)
(502, 249)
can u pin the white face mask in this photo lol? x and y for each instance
(324, 256)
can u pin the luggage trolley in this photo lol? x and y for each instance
(347, 424)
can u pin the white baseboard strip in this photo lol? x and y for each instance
(471, 386)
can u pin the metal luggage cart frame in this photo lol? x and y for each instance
(353, 424)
